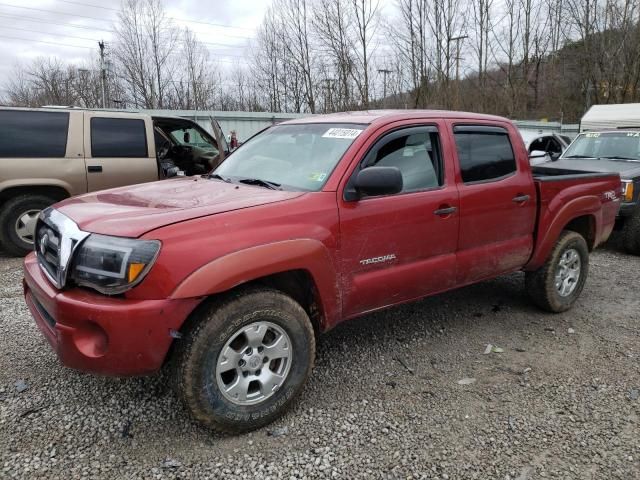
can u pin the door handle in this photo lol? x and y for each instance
(94, 168)
(444, 211)
(521, 198)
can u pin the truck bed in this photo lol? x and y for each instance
(563, 193)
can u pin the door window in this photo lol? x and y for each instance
(28, 133)
(118, 137)
(484, 153)
(415, 152)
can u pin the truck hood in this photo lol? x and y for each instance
(627, 170)
(134, 210)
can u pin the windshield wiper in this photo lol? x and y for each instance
(617, 157)
(218, 177)
(578, 156)
(261, 183)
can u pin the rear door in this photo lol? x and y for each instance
(399, 247)
(118, 150)
(497, 203)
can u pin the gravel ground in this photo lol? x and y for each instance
(385, 399)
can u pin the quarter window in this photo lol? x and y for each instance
(118, 137)
(35, 134)
(484, 153)
(415, 152)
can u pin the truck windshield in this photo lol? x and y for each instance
(605, 145)
(297, 157)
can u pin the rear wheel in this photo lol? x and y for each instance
(631, 234)
(244, 360)
(556, 286)
(18, 218)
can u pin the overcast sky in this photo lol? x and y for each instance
(71, 29)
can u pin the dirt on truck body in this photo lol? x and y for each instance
(229, 277)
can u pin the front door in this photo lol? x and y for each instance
(400, 247)
(497, 204)
(117, 150)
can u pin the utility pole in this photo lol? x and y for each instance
(457, 40)
(327, 98)
(384, 73)
(103, 75)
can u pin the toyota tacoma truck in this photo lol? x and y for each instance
(228, 278)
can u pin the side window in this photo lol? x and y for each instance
(118, 137)
(484, 153)
(415, 152)
(29, 133)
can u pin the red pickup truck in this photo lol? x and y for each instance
(227, 278)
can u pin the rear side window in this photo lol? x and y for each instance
(484, 153)
(35, 134)
(118, 137)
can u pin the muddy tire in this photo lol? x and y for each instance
(243, 359)
(631, 234)
(558, 283)
(16, 229)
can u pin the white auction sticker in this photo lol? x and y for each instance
(342, 133)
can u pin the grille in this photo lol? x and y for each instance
(47, 248)
(57, 237)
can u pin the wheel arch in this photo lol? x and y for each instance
(303, 269)
(53, 191)
(582, 215)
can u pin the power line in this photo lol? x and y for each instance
(53, 11)
(47, 33)
(49, 22)
(111, 31)
(173, 18)
(42, 41)
(106, 20)
(37, 20)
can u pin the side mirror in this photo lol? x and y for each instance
(186, 137)
(537, 154)
(373, 181)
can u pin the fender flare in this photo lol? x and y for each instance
(242, 266)
(580, 207)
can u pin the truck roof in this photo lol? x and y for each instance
(370, 116)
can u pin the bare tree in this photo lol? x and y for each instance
(365, 13)
(146, 39)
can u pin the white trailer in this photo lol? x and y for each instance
(611, 117)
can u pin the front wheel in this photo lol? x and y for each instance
(18, 219)
(244, 360)
(556, 285)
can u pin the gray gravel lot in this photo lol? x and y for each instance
(384, 400)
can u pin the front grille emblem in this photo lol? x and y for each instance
(44, 241)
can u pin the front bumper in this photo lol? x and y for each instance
(627, 209)
(100, 334)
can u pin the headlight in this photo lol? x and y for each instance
(113, 265)
(627, 191)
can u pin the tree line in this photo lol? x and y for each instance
(519, 58)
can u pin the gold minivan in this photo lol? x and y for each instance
(48, 154)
